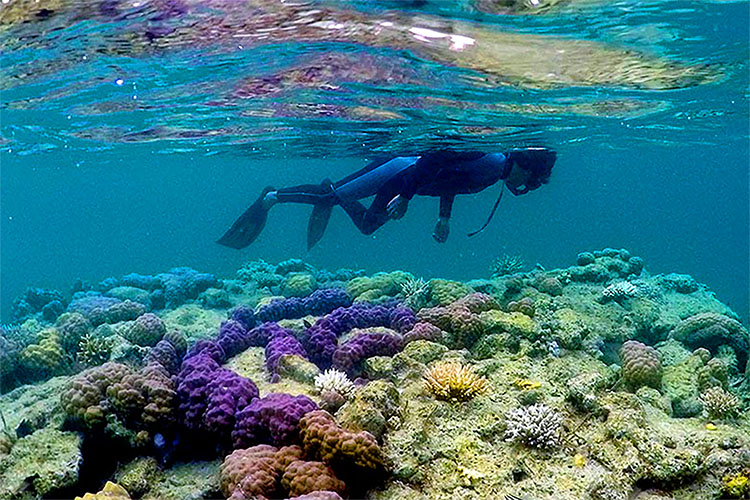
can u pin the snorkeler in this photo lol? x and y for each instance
(394, 182)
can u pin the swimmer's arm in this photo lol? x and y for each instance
(442, 227)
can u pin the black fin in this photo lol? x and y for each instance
(318, 222)
(248, 226)
(321, 213)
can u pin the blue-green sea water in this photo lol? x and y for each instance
(133, 133)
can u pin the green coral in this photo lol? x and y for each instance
(443, 292)
(46, 358)
(514, 323)
(370, 408)
(138, 475)
(680, 382)
(377, 286)
(42, 463)
(299, 285)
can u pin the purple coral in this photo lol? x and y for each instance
(165, 354)
(263, 333)
(227, 393)
(245, 316)
(423, 331)
(208, 348)
(233, 337)
(273, 419)
(402, 319)
(320, 340)
(192, 388)
(364, 345)
(282, 345)
(318, 303)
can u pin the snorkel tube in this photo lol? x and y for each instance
(492, 213)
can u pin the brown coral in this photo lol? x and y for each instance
(352, 455)
(640, 364)
(303, 477)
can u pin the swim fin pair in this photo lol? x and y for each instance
(249, 225)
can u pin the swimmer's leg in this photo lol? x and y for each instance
(250, 224)
(368, 220)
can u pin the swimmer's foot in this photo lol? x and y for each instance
(250, 224)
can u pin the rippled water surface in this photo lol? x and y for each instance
(646, 101)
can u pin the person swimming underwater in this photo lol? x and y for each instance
(394, 183)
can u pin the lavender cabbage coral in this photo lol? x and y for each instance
(282, 344)
(273, 419)
(318, 303)
(361, 346)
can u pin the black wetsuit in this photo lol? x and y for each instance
(443, 174)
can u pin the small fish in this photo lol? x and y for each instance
(710, 427)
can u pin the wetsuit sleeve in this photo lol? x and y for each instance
(446, 206)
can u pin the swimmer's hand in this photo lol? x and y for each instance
(442, 228)
(396, 208)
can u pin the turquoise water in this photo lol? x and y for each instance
(133, 136)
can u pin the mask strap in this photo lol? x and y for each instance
(492, 213)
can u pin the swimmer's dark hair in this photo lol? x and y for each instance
(538, 161)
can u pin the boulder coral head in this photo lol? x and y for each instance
(640, 364)
(711, 330)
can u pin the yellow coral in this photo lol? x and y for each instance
(469, 476)
(46, 356)
(526, 384)
(452, 381)
(110, 491)
(579, 460)
(736, 486)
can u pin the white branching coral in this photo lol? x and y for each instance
(619, 290)
(719, 403)
(334, 381)
(538, 426)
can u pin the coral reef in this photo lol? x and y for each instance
(527, 385)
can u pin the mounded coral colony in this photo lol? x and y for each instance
(598, 381)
